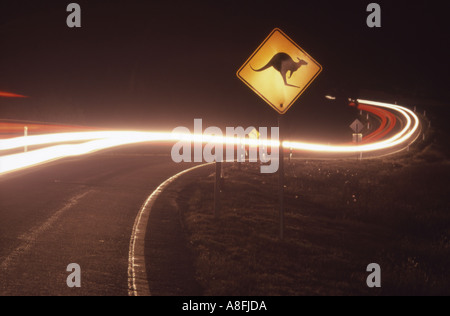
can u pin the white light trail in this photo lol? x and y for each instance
(18, 142)
(22, 160)
(95, 141)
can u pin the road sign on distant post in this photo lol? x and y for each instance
(357, 138)
(357, 126)
(279, 71)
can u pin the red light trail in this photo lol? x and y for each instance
(10, 95)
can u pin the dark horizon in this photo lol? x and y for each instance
(159, 64)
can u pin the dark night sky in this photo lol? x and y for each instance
(164, 63)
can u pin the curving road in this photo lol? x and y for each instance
(78, 210)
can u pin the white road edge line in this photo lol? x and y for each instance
(137, 274)
(30, 238)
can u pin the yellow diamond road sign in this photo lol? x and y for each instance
(279, 71)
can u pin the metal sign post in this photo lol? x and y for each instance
(281, 179)
(217, 188)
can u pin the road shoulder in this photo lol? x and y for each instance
(168, 261)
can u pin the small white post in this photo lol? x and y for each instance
(25, 134)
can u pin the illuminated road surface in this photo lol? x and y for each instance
(79, 210)
(378, 143)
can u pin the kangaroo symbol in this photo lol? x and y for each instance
(283, 63)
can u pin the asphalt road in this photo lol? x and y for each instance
(79, 210)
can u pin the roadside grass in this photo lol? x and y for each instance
(340, 217)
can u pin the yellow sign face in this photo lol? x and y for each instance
(279, 71)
